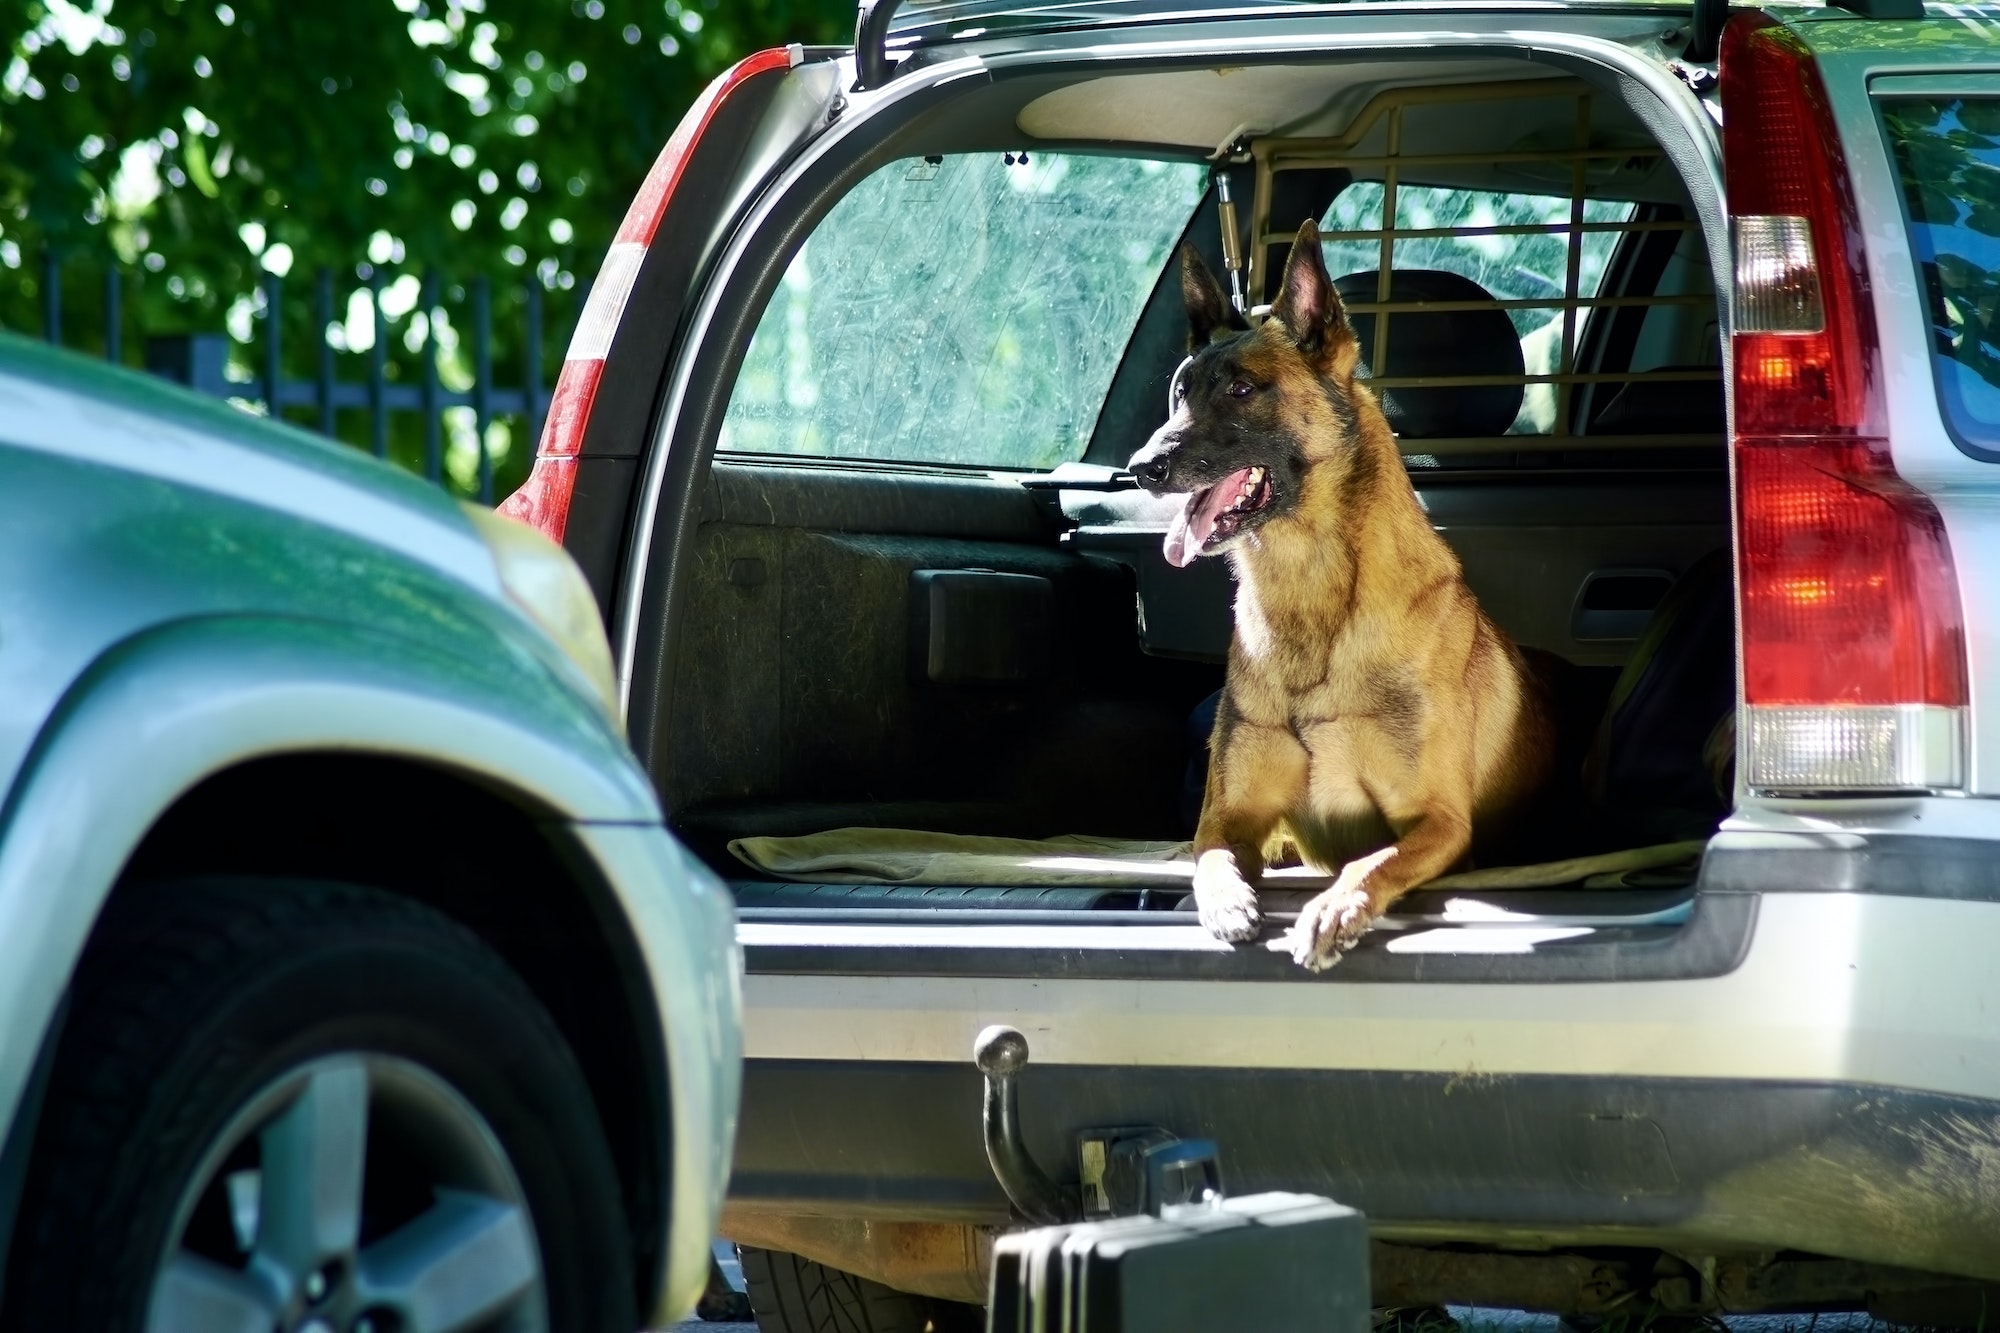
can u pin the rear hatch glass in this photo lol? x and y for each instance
(1947, 151)
(965, 309)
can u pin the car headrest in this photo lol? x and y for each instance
(1444, 342)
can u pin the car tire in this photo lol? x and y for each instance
(301, 1104)
(793, 1295)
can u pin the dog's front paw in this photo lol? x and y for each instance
(1334, 922)
(1227, 903)
(1330, 925)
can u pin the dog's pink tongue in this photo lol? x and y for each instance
(1191, 528)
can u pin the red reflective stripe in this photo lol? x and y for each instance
(642, 219)
(569, 409)
(543, 500)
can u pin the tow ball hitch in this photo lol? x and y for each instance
(1122, 1171)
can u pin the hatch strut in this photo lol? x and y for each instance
(1236, 152)
(871, 43)
(1232, 241)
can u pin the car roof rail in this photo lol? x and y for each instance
(871, 43)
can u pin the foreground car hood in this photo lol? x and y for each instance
(58, 403)
(131, 507)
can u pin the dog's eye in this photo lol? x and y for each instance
(1242, 389)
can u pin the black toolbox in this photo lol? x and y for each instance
(1272, 1263)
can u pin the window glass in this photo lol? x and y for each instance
(1948, 157)
(1533, 267)
(1511, 266)
(968, 309)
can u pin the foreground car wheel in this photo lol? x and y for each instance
(291, 1180)
(793, 1295)
(310, 1108)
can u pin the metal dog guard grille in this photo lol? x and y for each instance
(1393, 166)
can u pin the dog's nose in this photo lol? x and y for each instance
(1151, 471)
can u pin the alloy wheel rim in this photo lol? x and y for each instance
(356, 1193)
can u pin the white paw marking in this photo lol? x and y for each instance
(1226, 902)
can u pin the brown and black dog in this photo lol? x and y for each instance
(1371, 712)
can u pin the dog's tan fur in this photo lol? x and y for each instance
(1371, 710)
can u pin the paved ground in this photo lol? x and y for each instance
(1470, 1319)
(1514, 1321)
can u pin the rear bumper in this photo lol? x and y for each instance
(1695, 1166)
(1845, 988)
(1833, 860)
(1836, 1090)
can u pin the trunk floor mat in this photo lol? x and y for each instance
(915, 857)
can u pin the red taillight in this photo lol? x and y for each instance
(1848, 564)
(1853, 647)
(543, 500)
(1786, 177)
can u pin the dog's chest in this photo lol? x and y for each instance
(1333, 706)
(1290, 665)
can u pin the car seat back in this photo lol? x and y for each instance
(1439, 343)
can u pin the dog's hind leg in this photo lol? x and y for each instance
(1257, 774)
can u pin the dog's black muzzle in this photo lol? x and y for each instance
(1154, 464)
(1152, 469)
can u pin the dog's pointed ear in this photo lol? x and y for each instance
(1208, 305)
(1307, 304)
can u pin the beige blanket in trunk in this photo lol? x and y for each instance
(908, 856)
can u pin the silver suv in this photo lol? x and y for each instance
(1685, 320)
(350, 979)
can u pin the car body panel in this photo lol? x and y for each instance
(1861, 991)
(176, 705)
(688, 943)
(142, 524)
(206, 590)
(1966, 490)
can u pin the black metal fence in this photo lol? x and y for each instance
(201, 361)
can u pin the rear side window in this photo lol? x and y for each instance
(1528, 263)
(1947, 153)
(968, 309)
(1514, 246)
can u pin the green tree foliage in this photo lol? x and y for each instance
(197, 143)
